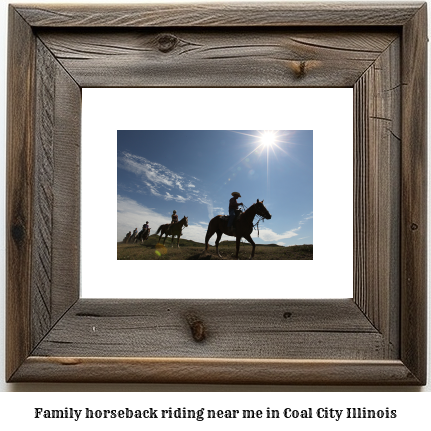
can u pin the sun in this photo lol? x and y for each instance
(268, 139)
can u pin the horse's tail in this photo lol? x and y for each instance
(210, 232)
(159, 229)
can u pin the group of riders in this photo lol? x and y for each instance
(145, 232)
(135, 236)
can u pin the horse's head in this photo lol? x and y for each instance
(186, 221)
(262, 211)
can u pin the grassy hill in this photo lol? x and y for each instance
(192, 250)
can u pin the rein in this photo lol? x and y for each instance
(256, 225)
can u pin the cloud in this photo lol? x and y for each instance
(131, 214)
(162, 182)
(306, 217)
(268, 235)
(178, 198)
(152, 189)
(156, 176)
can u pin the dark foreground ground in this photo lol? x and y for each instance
(191, 250)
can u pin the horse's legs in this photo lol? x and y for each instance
(217, 242)
(248, 238)
(209, 234)
(238, 242)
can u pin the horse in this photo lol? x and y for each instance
(141, 236)
(172, 229)
(163, 228)
(243, 227)
(131, 238)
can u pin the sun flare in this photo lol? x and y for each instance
(268, 139)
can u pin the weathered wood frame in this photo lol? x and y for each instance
(378, 337)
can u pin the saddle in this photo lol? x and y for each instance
(237, 216)
(169, 231)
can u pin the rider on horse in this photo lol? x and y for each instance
(233, 206)
(145, 229)
(174, 219)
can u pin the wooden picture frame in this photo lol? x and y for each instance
(376, 338)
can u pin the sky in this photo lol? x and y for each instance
(195, 171)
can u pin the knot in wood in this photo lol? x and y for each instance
(167, 42)
(197, 328)
(300, 69)
(414, 226)
(18, 233)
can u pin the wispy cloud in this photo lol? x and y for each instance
(157, 178)
(268, 235)
(162, 182)
(306, 217)
(177, 198)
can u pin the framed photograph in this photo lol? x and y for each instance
(194, 171)
(376, 337)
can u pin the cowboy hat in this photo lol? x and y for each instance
(236, 194)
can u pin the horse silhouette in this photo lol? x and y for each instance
(173, 229)
(242, 229)
(142, 236)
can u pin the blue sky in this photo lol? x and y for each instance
(195, 172)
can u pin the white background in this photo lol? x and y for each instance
(16, 408)
(328, 112)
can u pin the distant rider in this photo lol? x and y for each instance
(145, 229)
(233, 205)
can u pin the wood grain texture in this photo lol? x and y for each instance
(66, 187)
(55, 279)
(43, 194)
(215, 371)
(414, 195)
(377, 146)
(216, 14)
(215, 57)
(234, 329)
(377, 338)
(19, 195)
